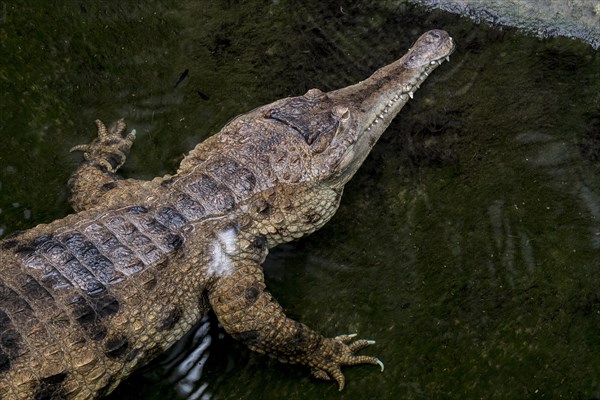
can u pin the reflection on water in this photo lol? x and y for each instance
(467, 245)
(186, 361)
(559, 159)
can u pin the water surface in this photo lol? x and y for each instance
(468, 245)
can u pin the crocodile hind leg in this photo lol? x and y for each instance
(97, 173)
(250, 314)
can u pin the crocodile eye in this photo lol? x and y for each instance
(315, 94)
(341, 112)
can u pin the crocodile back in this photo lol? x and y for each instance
(86, 299)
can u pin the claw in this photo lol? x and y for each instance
(104, 135)
(339, 378)
(102, 131)
(346, 338)
(337, 352)
(120, 126)
(359, 344)
(131, 135)
(320, 374)
(81, 147)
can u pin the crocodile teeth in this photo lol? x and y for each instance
(433, 62)
(448, 58)
(410, 94)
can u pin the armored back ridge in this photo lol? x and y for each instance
(86, 299)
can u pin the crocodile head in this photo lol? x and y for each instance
(342, 126)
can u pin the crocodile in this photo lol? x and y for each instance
(86, 299)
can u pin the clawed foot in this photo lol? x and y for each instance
(334, 353)
(110, 148)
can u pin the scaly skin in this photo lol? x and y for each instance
(86, 299)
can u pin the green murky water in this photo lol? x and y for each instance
(468, 245)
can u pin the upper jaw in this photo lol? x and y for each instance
(391, 102)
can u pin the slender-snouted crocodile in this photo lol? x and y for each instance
(86, 299)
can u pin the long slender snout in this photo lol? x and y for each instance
(390, 87)
(375, 101)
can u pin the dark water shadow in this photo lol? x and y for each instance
(467, 245)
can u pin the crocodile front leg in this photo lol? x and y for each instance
(251, 315)
(96, 176)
